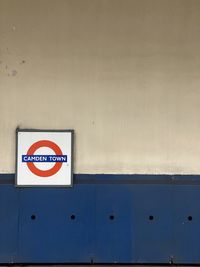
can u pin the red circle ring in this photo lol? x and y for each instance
(54, 169)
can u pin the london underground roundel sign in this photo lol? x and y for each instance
(44, 158)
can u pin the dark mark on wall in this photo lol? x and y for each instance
(7, 70)
(14, 72)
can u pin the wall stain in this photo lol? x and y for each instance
(7, 70)
(14, 72)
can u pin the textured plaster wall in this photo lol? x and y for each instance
(124, 74)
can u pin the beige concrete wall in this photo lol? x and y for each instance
(124, 74)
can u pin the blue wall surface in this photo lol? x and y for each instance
(102, 219)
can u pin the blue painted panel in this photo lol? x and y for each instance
(56, 224)
(186, 228)
(130, 219)
(9, 215)
(114, 224)
(153, 218)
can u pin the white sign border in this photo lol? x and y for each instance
(45, 130)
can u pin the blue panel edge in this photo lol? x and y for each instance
(9, 178)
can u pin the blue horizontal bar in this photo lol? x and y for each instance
(44, 158)
(9, 178)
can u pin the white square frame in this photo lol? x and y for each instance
(44, 130)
